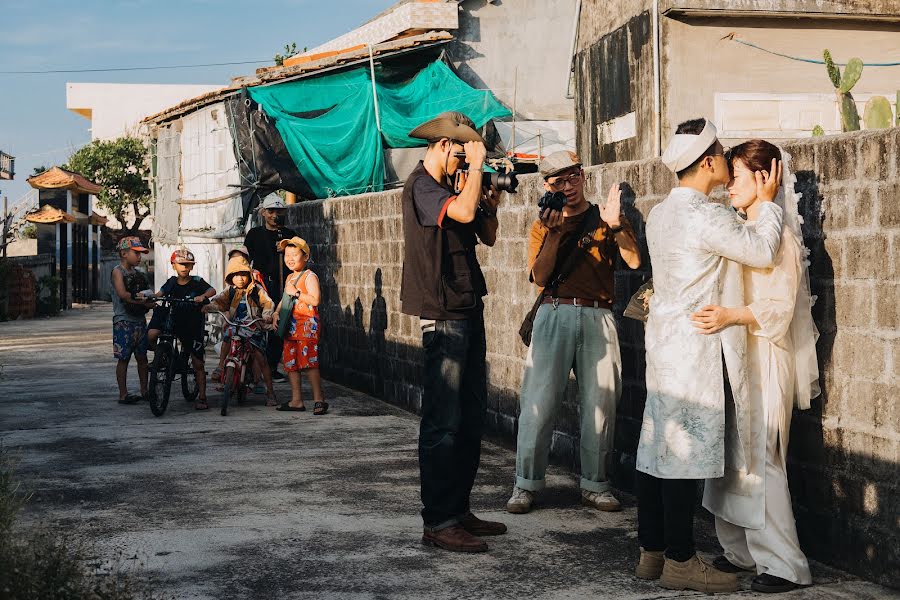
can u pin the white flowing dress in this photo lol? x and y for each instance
(752, 502)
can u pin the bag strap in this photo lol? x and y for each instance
(573, 255)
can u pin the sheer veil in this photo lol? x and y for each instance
(803, 330)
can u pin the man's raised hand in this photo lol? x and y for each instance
(611, 211)
(475, 154)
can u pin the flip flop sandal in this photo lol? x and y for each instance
(271, 401)
(201, 404)
(130, 399)
(287, 407)
(320, 408)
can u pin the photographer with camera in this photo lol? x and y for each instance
(445, 214)
(261, 245)
(572, 252)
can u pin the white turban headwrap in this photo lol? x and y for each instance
(685, 148)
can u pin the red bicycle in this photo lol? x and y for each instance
(235, 378)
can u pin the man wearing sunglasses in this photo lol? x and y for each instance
(445, 216)
(573, 327)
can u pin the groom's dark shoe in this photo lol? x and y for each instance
(770, 584)
(726, 566)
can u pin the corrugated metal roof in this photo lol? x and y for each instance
(274, 75)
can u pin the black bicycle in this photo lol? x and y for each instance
(171, 358)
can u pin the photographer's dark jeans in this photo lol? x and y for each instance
(454, 404)
(666, 515)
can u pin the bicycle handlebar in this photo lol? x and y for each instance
(171, 300)
(233, 324)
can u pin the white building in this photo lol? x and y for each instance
(116, 109)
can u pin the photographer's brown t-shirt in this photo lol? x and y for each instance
(593, 277)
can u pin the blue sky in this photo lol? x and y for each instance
(35, 125)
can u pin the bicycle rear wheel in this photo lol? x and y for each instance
(189, 387)
(230, 379)
(162, 371)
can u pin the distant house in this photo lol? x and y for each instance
(116, 109)
(643, 66)
(69, 230)
(7, 166)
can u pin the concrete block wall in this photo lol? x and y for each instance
(844, 451)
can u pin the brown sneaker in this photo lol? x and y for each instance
(454, 539)
(481, 528)
(696, 574)
(650, 565)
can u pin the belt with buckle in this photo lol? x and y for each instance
(574, 302)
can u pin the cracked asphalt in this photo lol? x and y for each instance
(269, 505)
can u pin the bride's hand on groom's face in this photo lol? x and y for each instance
(711, 319)
(767, 183)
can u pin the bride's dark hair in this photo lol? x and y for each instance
(756, 155)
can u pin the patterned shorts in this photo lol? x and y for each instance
(129, 337)
(300, 354)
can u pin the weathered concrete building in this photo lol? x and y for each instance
(643, 66)
(521, 50)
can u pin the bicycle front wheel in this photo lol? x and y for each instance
(161, 375)
(231, 383)
(189, 387)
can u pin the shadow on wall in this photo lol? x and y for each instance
(832, 489)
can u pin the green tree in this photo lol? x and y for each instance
(120, 166)
(38, 170)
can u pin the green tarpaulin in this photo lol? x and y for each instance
(329, 128)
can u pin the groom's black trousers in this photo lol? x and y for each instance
(666, 515)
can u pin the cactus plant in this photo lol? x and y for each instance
(833, 72)
(818, 131)
(878, 113)
(852, 73)
(842, 86)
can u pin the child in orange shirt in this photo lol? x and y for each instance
(301, 342)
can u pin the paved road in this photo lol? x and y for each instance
(269, 505)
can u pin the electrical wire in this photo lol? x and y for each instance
(154, 68)
(797, 58)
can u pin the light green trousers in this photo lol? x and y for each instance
(563, 338)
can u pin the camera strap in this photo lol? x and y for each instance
(574, 251)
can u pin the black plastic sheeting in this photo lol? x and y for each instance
(263, 160)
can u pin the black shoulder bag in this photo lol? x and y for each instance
(573, 252)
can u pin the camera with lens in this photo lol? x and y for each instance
(505, 181)
(552, 200)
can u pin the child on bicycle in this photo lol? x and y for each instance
(301, 342)
(245, 299)
(188, 322)
(257, 278)
(130, 317)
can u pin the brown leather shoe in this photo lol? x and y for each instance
(454, 539)
(650, 565)
(481, 528)
(696, 574)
